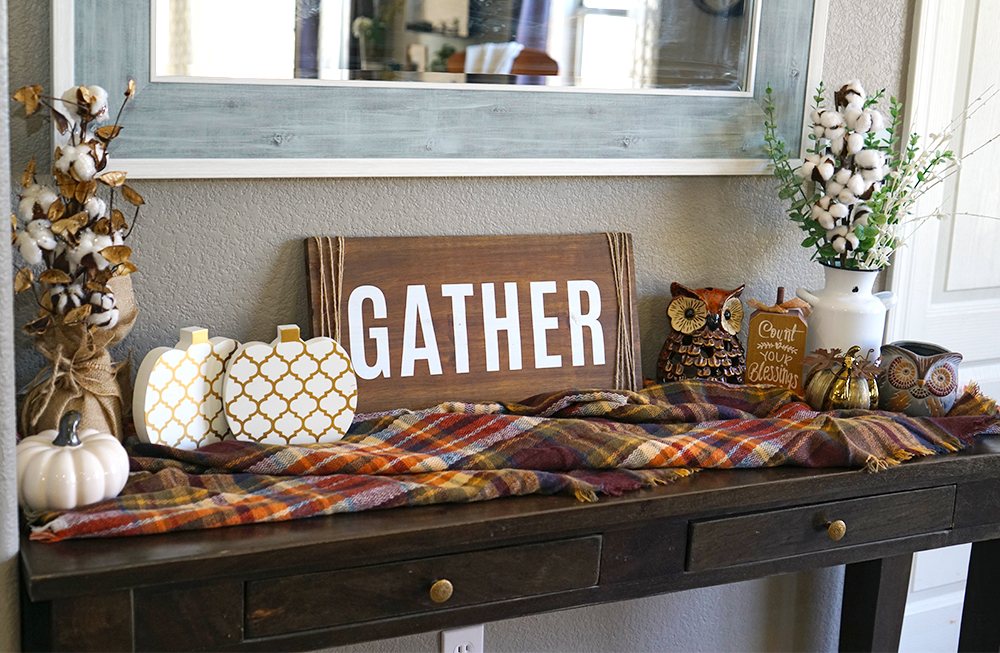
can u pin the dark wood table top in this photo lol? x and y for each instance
(76, 567)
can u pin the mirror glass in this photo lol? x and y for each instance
(592, 44)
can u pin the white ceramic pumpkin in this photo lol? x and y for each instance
(60, 470)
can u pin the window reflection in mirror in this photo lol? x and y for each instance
(592, 44)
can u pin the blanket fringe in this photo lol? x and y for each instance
(586, 496)
(898, 456)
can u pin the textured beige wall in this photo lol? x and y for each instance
(227, 255)
(8, 469)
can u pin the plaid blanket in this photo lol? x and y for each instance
(583, 443)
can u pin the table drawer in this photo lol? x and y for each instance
(295, 603)
(792, 531)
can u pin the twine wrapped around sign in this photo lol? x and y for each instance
(81, 375)
(621, 263)
(330, 293)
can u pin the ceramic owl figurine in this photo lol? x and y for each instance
(703, 342)
(918, 379)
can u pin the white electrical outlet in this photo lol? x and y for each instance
(462, 640)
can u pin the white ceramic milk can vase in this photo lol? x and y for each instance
(846, 313)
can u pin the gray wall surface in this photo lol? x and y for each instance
(8, 470)
(227, 255)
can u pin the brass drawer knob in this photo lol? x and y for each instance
(837, 530)
(441, 591)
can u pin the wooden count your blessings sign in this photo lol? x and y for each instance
(491, 318)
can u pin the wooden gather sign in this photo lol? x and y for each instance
(490, 318)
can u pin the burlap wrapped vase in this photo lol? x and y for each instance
(81, 375)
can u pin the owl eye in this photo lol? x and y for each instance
(942, 381)
(732, 315)
(902, 374)
(687, 314)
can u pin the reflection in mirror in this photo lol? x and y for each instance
(594, 44)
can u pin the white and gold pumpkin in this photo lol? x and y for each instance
(178, 391)
(290, 391)
(64, 469)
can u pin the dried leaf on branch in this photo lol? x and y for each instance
(85, 190)
(23, 279)
(116, 254)
(113, 178)
(56, 211)
(132, 197)
(108, 132)
(28, 176)
(78, 314)
(55, 277)
(71, 224)
(30, 96)
(128, 267)
(118, 221)
(38, 326)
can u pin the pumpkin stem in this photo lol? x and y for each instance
(67, 430)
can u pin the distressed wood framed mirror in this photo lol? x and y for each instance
(312, 96)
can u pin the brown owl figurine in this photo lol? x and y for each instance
(703, 342)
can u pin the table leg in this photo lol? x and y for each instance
(981, 614)
(873, 604)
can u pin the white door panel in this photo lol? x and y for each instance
(948, 275)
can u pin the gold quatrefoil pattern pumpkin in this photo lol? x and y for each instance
(178, 391)
(290, 391)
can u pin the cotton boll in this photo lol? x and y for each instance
(846, 197)
(856, 184)
(839, 244)
(852, 241)
(66, 298)
(30, 251)
(836, 231)
(98, 103)
(824, 219)
(851, 93)
(805, 170)
(837, 146)
(833, 188)
(839, 211)
(34, 194)
(851, 114)
(818, 131)
(814, 116)
(835, 133)
(96, 208)
(878, 120)
(825, 170)
(90, 243)
(97, 107)
(824, 202)
(84, 167)
(104, 321)
(831, 119)
(860, 215)
(40, 231)
(872, 175)
(863, 123)
(842, 176)
(869, 159)
(855, 143)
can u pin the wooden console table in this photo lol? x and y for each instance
(348, 578)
